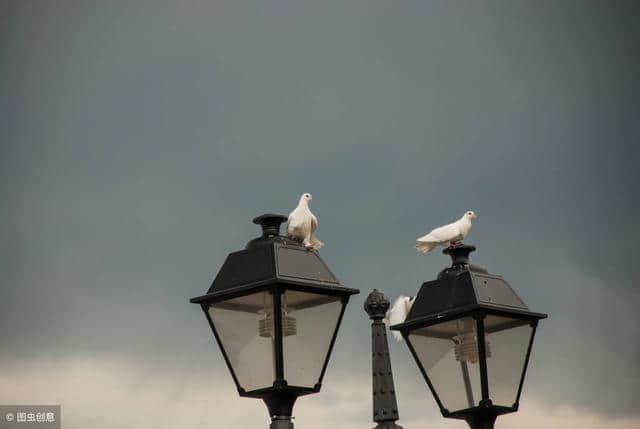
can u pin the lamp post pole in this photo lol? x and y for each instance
(481, 420)
(385, 406)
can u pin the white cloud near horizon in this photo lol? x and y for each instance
(111, 393)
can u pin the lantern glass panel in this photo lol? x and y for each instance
(507, 340)
(448, 353)
(309, 322)
(245, 329)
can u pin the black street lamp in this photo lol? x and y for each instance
(275, 309)
(471, 336)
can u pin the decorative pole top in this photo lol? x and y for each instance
(270, 224)
(459, 254)
(376, 305)
(460, 261)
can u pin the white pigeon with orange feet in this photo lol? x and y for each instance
(449, 235)
(302, 224)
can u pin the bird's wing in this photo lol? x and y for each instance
(297, 224)
(441, 234)
(292, 215)
(296, 218)
(398, 313)
(315, 243)
(290, 222)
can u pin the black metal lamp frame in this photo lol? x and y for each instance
(456, 295)
(274, 264)
(484, 415)
(280, 397)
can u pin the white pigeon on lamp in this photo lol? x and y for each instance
(302, 224)
(398, 313)
(450, 235)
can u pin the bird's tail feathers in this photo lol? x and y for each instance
(387, 321)
(315, 243)
(425, 247)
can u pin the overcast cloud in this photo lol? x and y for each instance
(139, 139)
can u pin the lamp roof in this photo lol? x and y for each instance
(272, 258)
(464, 288)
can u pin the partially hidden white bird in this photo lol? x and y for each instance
(302, 224)
(398, 313)
(450, 234)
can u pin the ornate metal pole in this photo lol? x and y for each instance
(385, 406)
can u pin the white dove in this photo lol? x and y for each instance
(302, 224)
(398, 313)
(450, 234)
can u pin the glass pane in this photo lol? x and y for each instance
(449, 354)
(309, 321)
(245, 325)
(507, 342)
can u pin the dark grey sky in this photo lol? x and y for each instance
(139, 138)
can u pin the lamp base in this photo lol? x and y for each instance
(485, 421)
(279, 422)
(387, 425)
